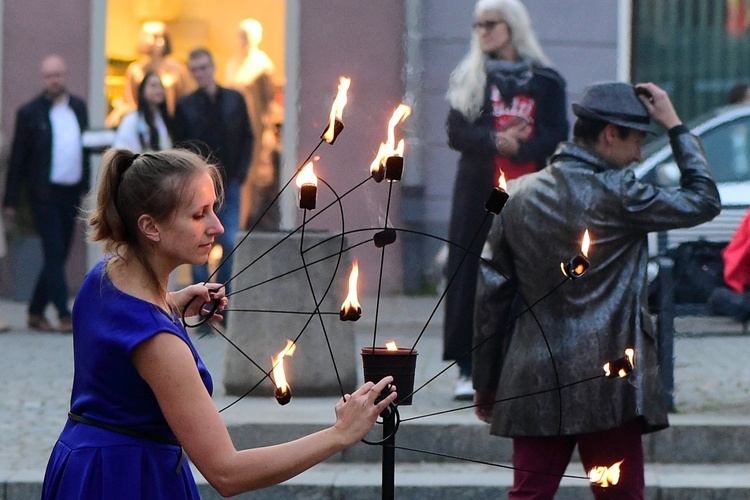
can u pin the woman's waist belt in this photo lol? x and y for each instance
(123, 430)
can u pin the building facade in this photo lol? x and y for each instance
(394, 51)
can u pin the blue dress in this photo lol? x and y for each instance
(92, 462)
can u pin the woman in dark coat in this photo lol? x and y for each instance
(508, 113)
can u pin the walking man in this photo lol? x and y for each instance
(48, 162)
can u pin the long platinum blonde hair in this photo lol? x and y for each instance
(466, 84)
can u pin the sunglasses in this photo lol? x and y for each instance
(486, 25)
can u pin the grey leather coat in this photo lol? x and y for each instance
(546, 366)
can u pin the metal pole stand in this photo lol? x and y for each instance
(389, 454)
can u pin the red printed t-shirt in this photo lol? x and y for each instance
(522, 106)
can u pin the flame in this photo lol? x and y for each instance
(501, 181)
(351, 301)
(337, 109)
(306, 176)
(630, 354)
(623, 365)
(605, 476)
(278, 366)
(391, 346)
(585, 243)
(400, 114)
(389, 148)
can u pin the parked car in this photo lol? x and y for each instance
(725, 133)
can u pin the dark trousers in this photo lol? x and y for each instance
(540, 462)
(55, 222)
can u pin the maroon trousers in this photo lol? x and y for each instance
(540, 462)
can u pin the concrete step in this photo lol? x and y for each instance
(450, 481)
(690, 439)
(472, 481)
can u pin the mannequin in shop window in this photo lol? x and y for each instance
(155, 46)
(251, 73)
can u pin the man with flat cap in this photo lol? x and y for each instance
(538, 375)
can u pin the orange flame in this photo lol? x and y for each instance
(389, 148)
(391, 346)
(501, 181)
(605, 476)
(585, 244)
(623, 365)
(352, 303)
(306, 176)
(337, 109)
(630, 354)
(279, 377)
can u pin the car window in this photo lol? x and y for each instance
(727, 149)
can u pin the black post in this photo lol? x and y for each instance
(389, 455)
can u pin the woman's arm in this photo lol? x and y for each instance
(166, 363)
(474, 138)
(126, 135)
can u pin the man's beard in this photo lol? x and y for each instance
(52, 95)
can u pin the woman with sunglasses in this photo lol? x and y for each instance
(508, 113)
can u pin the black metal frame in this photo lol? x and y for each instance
(668, 311)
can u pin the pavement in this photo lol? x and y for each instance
(711, 372)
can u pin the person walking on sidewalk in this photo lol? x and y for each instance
(141, 397)
(508, 115)
(582, 325)
(48, 161)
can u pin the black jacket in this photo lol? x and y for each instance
(224, 137)
(31, 156)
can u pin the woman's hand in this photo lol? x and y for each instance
(357, 413)
(204, 295)
(509, 139)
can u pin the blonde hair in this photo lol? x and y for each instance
(467, 81)
(132, 184)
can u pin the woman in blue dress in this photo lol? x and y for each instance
(141, 399)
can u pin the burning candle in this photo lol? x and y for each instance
(389, 162)
(498, 196)
(605, 476)
(577, 266)
(307, 183)
(283, 393)
(350, 309)
(335, 125)
(398, 362)
(620, 367)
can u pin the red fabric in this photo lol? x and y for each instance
(540, 462)
(736, 20)
(737, 257)
(524, 107)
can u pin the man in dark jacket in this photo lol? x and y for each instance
(48, 161)
(213, 120)
(539, 379)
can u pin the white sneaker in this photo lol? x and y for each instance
(464, 389)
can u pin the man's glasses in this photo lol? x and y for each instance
(197, 68)
(486, 25)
